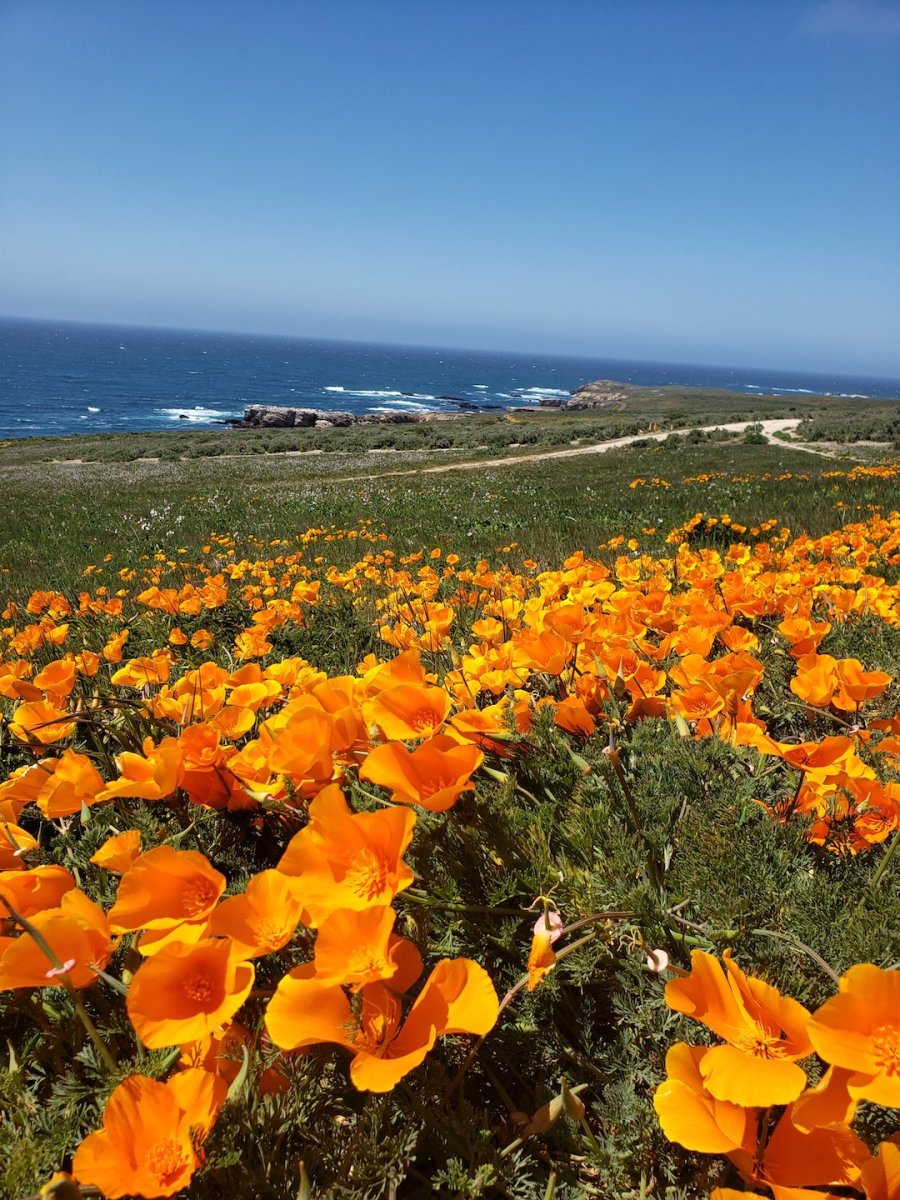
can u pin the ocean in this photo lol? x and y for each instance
(61, 378)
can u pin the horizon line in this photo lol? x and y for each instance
(295, 337)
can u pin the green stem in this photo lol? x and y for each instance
(592, 1141)
(795, 941)
(883, 865)
(505, 1002)
(465, 908)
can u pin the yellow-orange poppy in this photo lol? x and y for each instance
(764, 1032)
(184, 993)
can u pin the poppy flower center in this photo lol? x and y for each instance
(198, 895)
(269, 930)
(168, 1161)
(198, 987)
(759, 1044)
(363, 964)
(375, 1034)
(367, 875)
(424, 719)
(886, 1044)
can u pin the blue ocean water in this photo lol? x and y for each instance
(61, 378)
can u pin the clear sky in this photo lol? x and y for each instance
(708, 181)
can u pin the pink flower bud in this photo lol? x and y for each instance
(550, 922)
(63, 970)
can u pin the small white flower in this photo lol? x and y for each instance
(657, 961)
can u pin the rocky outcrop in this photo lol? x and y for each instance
(602, 393)
(272, 416)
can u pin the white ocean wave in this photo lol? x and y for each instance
(401, 406)
(481, 387)
(334, 389)
(375, 394)
(539, 391)
(91, 408)
(197, 413)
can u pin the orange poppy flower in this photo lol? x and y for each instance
(543, 651)
(816, 680)
(856, 685)
(233, 721)
(57, 679)
(74, 782)
(300, 748)
(487, 727)
(146, 1146)
(433, 775)
(143, 672)
(798, 1156)
(15, 843)
(697, 702)
(77, 932)
(796, 1153)
(541, 958)
(765, 1032)
(184, 993)
(343, 859)
(815, 756)
(38, 722)
(119, 852)
(22, 788)
(859, 1029)
(152, 775)
(223, 1054)
(353, 947)
(403, 668)
(881, 1174)
(165, 887)
(409, 711)
(30, 892)
(458, 997)
(260, 920)
(693, 1118)
(571, 715)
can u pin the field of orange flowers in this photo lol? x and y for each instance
(581, 881)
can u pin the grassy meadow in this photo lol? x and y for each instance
(518, 831)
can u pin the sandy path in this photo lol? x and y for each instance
(769, 428)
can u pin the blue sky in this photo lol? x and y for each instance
(691, 181)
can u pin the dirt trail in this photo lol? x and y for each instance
(770, 427)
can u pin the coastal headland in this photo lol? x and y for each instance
(603, 411)
(597, 396)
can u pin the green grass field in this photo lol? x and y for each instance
(673, 833)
